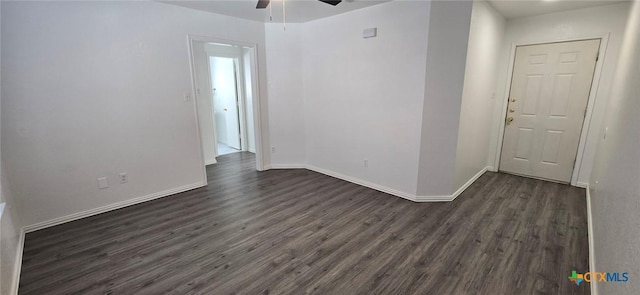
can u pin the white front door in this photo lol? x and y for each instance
(547, 104)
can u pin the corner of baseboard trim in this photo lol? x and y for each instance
(111, 207)
(370, 185)
(394, 192)
(424, 199)
(582, 184)
(17, 268)
(592, 257)
(492, 169)
(469, 183)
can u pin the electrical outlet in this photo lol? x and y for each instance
(366, 163)
(102, 183)
(124, 178)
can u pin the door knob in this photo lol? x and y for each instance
(511, 110)
(509, 120)
(513, 100)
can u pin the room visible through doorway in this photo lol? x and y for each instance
(224, 74)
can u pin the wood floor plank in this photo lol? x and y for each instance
(300, 232)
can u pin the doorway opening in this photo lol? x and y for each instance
(546, 108)
(224, 75)
(228, 107)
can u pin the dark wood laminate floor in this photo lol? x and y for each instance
(300, 232)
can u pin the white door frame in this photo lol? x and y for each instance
(584, 134)
(255, 82)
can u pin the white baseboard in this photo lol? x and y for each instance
(492, 169)
(287, 166)
(592, 258)
(443, 198)
(397, 193)
(18, 266)
(111, 207)
(582, 184)
(83, 214)
(459, 191)
(370, 185)
(469, 183)
(107, 208)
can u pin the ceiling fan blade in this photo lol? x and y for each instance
(262, 4)
(334, 3)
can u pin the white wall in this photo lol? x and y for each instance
(615, 189)
(375, 99)
(363, 97)
(445, 70)
(589, 22)
(10, 226)
(203, 95)
(476, 113)
(104, 96)
(286, 94)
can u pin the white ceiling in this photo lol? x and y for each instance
(522, 8)
(297, 11)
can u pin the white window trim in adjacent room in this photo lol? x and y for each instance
(604, 41)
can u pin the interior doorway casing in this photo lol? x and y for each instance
(586, 132)
(255, 94)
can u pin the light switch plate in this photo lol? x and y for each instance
(102, 183)
(370, 33)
